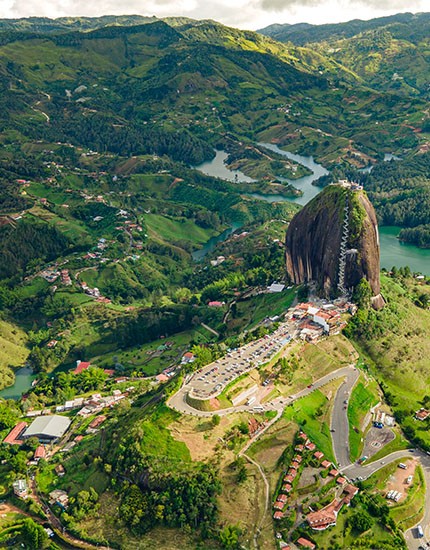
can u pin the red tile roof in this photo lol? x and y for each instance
(13, 436)
(40, 452)
(306, 543)
(340, 480)
(83, 365)
(310, 446)
(278, 515)
(319, 455)
(286, 487)
(333, 472)
(325, 464)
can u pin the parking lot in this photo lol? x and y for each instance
(212, 379)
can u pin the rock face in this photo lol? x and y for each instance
(314, 242)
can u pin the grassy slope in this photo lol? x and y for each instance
(363, 396)
(13, 350)
(400, 354)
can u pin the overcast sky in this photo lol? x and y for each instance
(245, 14)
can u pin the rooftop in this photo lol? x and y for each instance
(53, 426)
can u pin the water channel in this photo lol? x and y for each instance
(393, 252)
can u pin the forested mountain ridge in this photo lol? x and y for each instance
(388, 53)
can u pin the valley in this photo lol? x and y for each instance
(220, 391)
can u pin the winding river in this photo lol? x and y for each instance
(393, 252)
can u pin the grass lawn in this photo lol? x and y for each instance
(252, 311)
(13, 350)
(364, 395)
(174, 230)
(311, 413)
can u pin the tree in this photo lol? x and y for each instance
(229, 537)
(361, 521)
(362, 294)
(216, 419)
(33, 534)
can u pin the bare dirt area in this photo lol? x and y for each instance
(200, 435)
(375, 439)
(397, 481)
(308, 477)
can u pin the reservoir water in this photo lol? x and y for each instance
(393, 252)
(396, 253)
(23, 379)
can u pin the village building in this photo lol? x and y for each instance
(39, 453)
(306, 543)
(422, 414)
(20, 488)
(81, 366)
(59, 470)
(14, 437)
(47, 428)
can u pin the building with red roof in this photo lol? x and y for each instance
(39, 453)
(286, 488)
(340, 480)
(319, 455)
(305, 543)
(325, 464)
(279, 505)
(297, 458)
(310, 446)
(278, 515)
(295, 465)
(81, 366)
(333, 472)
(13, 437)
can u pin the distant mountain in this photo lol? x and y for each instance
(181, 88)
(403, 25)
(388, 53)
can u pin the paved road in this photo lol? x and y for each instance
(354, 471)
(339, 419)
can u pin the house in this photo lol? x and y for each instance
(318, 455)
(278, 515)
(340, 480)
(215, 303)
(39, 453)
(305, 543)
(299, 448)
(97, 421)
(161, 378)
(20, 488)
(57, 496)
(282, 498)
(59, 470)
(333, 472)
(286, 488)
(422, 414)
(310, 446)
(294, 465)
(188, 357)
(275, 287)
(325, 464)
(14, 436)
(326, 517)
(289, 478)
(81, 366)
(279, 505)
(297, 458)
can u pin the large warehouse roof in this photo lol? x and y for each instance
(48, 426)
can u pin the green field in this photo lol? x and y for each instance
(252, 311)
(364, 395)
(311, 414)
(175, 230)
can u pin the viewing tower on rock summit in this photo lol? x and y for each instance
(333, 242)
